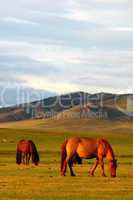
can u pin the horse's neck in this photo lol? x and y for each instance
(108, 151)
(110, 154)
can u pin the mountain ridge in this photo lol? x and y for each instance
(98, 105)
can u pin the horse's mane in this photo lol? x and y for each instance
(106, 144)
(35, 155)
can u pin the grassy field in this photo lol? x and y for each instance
(44, 181)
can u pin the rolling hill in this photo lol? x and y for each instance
(74, 105)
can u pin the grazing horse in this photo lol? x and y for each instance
(25, 150)
(87, 148)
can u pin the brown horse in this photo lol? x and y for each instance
(87, 148)
(25, 150)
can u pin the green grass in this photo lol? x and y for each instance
(45, 182)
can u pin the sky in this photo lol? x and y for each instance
(67, 45)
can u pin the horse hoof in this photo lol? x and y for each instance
(91, 174)
(63, 175)
(103, 175)
(73, 175)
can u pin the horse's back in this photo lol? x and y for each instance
(83, 146)
(23, 146)
(87, 148)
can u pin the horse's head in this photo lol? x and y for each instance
(36, 162)
(113, 166)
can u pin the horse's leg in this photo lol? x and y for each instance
(23, 158)
(64, 168)
(29, 158)
(92, 170)
(70, 152)
(70, 163)
(67, 161)
(102, 166)
(26, 158)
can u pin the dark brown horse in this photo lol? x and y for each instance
(25, 150)
(87, 148)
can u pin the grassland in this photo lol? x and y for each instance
(44, 181)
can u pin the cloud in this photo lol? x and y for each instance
(18, 21)
(61, 69)
(54, 84)
(23, 65)
(122, 29)
(68, 45)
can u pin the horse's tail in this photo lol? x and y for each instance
(35, 155)
(18, 156)
(63, 153)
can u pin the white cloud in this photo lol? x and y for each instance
(18, 21)
(122, 29)
(50, 85)
(64, 40)
(101, 12)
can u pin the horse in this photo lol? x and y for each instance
(87, 148)
(25, 150)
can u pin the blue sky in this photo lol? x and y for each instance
(67, 45)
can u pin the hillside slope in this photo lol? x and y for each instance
(73, 105)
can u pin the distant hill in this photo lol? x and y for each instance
(16, 95)
(73, 105)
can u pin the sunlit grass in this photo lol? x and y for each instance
(45, 182)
